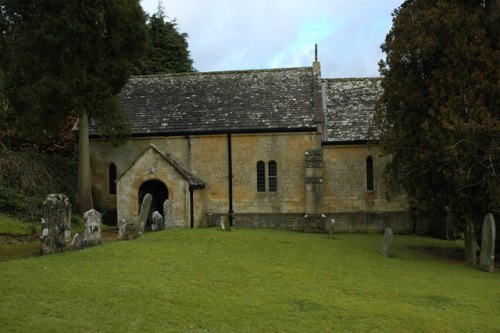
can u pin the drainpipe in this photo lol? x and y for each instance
(230, 176)
(191, 206)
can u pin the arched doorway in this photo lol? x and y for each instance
(159, 192)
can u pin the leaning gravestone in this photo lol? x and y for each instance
(168, 214)
(157, 221)
(470, 244)
(487, 256)
(386, 246)
(56, 224)
(77, 243)
(122, 230)
(92, 235)
(143, 215)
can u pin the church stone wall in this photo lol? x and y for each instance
(343, 182)
(345, 194)
(207, 158)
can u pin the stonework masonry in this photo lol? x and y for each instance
(198, 138)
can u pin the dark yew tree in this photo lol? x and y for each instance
(65, 59)
(439, 111)
(167, 48)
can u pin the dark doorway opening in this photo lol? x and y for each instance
(159, 192)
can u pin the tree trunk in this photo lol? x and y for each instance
(84, 178)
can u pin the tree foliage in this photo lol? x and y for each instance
(439, 111)
(65, 59)
(64, 56)
(167, 48)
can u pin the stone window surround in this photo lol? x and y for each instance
(370, 183)
(112, 178)
(272, 176)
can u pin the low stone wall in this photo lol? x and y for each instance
(348, 222)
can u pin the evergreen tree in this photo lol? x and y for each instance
(439, 111)
(167, 48)
(70, 58)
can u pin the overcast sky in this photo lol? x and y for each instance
(259, 34)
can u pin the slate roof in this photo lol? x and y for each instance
(259, 100)
(350, 109)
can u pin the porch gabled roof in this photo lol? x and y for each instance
(194, 181)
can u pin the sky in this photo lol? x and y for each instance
(261, 34)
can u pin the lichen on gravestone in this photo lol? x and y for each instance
(56, 224)
(92, 235)
(122, 229)
(157, 221)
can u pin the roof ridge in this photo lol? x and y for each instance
(352, 78)
(283, 69)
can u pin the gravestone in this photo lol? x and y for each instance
(92, 235)
(487, 256)
(470, 244)
(122, 230)
(157, 221)
(386, 246)
(77, 243)
(224, 223)
(56, 224)
(168, 214)
(332, 228)
(144, 213)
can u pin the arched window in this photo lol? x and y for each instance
(273, 176)
(261, 176)
(112, 178)
(369, 174)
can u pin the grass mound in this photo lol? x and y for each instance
(248, 280)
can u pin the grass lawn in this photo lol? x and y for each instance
(248, 280)
(14, 227)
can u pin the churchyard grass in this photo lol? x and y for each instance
(248, 280)
(12, 226)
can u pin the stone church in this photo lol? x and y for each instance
(281, 148)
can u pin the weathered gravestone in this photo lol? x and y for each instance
(56, 224)
(487, 256)
(77, 243)
(386, 246)
(92, 235)
(470, 244)
(157, 221)
(144, 214)
(168, 214)
(122, 230)
(224, 223)
(331, 229)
